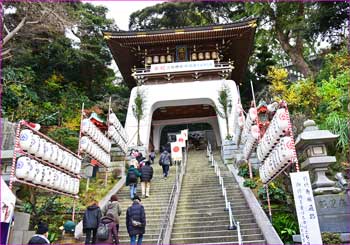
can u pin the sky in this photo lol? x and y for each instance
(121, 10)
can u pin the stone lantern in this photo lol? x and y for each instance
(311, 144)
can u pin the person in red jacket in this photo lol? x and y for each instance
(112, 230)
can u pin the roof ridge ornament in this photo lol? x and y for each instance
(107, 35)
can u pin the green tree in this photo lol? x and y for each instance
(138, 110)
(225, 107)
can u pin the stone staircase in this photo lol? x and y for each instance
(155, 205)
(200, 216)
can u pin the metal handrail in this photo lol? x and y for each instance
(175, 189)
(233, 224)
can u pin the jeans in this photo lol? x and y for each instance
(132, 190)
(165, 170)
(133, 239)
(145, 186)
(89, 232)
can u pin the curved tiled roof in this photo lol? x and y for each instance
(238, 35)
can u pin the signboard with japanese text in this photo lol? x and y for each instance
(176, 151)
(181, 140)
(184, 134)
(306, 208)
(8, 201)
(182, 66)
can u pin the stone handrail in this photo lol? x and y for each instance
(262, 220)
(169, 216)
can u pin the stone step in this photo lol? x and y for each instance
(223, 232)
(189, 204)
(145, 240)
(215, 218)
(146, 236)
(217, 206)
(245, 226)
(209, 212)
(231, 243)
(218, 199)
(208, 239)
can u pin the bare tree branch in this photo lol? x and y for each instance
(5, 52)
(14, 31)
(5, 27)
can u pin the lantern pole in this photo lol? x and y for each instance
(268, 201)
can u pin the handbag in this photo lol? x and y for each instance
(136, 223)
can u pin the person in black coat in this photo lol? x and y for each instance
(146, 176)
(136, 221)
(41, 235)
(91, 221)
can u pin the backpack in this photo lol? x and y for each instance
(166, 160)
(102, 232)
(132, 177)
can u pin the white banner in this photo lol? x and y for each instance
(8, 201)
(180, 140)
(182, 66)
(176, 151)
(184, 134)
(306, 208)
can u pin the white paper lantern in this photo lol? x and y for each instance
(76, 186)
(59, 157)
(112, 118)
(78, 166)
(25, 139)
(47, 151)
(39, 174)
(54, 178)
(34, 145)
(53, 158)
(60, 181)
(41, 151)
(22, 167)
(84, 143)
(32, 172)
(85, 126)
(65, 159)
(66, 183)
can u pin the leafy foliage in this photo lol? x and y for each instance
(331, 238)
(243, 170)
(138, 110)
(50, 211)
(250, 183)
(276, 194)
(286, 226)
(225, 106)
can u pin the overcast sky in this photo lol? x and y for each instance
(121, 10)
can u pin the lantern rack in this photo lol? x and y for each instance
(81, 134)
(19, 150)
(293, 159)
(22, 152)
(45, 188)
(109, 124)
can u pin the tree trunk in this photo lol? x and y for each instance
(296, 55)
(294, 52)
(227, 126)
(138, 133)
